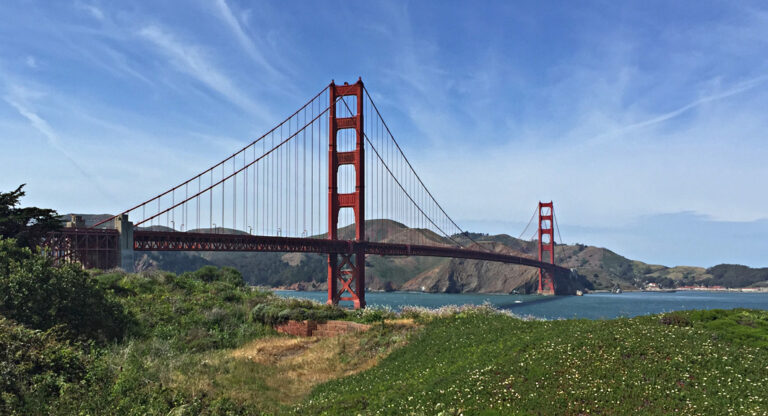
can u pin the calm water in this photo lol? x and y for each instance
(591, 306)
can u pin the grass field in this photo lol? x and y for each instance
(705, 363)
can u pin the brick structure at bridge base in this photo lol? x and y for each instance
(320, 329)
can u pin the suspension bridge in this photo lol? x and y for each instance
(308, 185)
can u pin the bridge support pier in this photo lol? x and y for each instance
(125, 243)
(350, 272)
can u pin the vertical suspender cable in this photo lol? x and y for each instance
(234, 194)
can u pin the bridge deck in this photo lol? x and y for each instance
(184, 241)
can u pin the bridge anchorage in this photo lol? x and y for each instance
(270, 196)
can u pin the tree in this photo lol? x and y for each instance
(27, 225)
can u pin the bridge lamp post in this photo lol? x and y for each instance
(173, 225)
(214, 228)
(250, 230)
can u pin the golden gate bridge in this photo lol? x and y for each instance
(326, 168)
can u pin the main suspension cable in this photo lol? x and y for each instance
(389, 132)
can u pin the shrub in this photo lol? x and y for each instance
(213, 274)
(373, 314)
(36, 368)
(675, 319)
(740, 326)
(41, 296)
(279, 310)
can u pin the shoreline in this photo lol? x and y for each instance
(600, 291)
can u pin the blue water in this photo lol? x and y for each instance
(590, 306)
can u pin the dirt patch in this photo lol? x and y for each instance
(403, 323)
(301, 363)
(273, 349)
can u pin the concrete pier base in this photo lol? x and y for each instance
(125, 243)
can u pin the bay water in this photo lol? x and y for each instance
(589, 306)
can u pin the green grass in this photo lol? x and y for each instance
(480, 363)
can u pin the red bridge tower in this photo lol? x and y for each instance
(546, 247)
(350, 273)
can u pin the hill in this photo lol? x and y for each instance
(594, 267)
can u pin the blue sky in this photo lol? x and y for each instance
(644, 121)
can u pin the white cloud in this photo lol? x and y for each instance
(225, 12)
(91, 10)
(31, 62)
(191, 60)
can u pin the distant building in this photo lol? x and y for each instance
(652, 286)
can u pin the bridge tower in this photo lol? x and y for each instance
(546, 247)
(350, 272)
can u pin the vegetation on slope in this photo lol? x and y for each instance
(115, 343)
(42, 297)
(35, 366)
(159, 343)
(734, 275)
(484, 363)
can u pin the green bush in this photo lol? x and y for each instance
(371, 315)
(41, 296)
(279, 310)
(210, 274)
(741, 326)
(35, 368)
(676, 319)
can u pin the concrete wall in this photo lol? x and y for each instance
(125, 243)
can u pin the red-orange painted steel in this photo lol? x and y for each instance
(181, 241)
(93, 248)
(351, 271)
(546, 246)
(76, 244)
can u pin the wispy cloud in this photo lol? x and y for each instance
(42, 126)
(192, 61)
(31, 62)
(247, 43)
(730, 92)
(90, 9)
